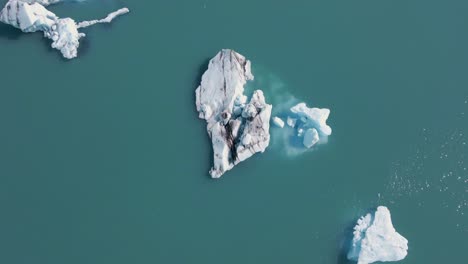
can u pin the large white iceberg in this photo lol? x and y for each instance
(375, 239)
(238, 128)
(32, 16)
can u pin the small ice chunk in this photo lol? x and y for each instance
(311, 137)
(278, 122)
(313, 117)
(300, 132)
(291, 121)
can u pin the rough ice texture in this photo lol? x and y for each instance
(32, 16)
(313, 117)
(310, 124)
(238, 128)
(375, 239)
(43, 2)
(27, 17)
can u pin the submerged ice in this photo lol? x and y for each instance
(312, 118)
(375, 239)
(310, 124)
(238, 127)
(32, 16)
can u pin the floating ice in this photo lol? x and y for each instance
(278, 122)
(375, 239)
(313, 117)
(32, 16)
(291, 121)
(311, 137)
(238, 128)
(310, 124)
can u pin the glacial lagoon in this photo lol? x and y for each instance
(103, 158)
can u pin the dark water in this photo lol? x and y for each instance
(103, 159)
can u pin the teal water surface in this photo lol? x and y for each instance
(103, 158)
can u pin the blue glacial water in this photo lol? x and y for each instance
(103, 158)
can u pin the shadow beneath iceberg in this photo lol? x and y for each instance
(47, 45)
(83, 49)
(10, 32)
(344, 243)
(199, 73)
(346, 237)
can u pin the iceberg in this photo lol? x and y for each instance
(375, 239)
(32, 16)
(238, 128)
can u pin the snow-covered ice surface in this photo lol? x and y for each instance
(291, 121)
(44, 2)
(375, 239)
(238, 128)
(32, 16)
